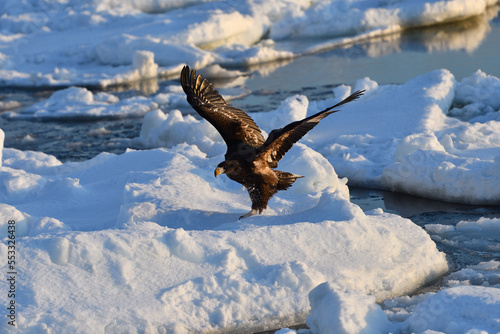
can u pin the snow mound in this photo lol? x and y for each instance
(76, 102)
(167, 130)
(304, 161)
(338, 310)
(163, 237)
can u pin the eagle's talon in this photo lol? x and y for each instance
(246, 215)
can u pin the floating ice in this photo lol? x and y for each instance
(154, 239)
(69, 43)
(458, 310)
(2, 137)
(76, 102)
(338, 18)
(478, 236)
(338, 310)
(9, 105)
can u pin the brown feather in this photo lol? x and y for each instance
(233, 124)
(250, 159)
(281, 140)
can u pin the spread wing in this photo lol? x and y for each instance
(281, 140)
(234, 125)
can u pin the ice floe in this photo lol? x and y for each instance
(102, 43)
(150, 240)
(76, 103)
(460, 309)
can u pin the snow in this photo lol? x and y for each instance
(76, 102)
(162, 236)
(149, 240)
(338, 310)
(103, 43)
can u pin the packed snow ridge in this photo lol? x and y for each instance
(103, 42)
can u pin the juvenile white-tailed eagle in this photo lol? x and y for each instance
(250, 158)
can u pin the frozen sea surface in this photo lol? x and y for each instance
(147, 240)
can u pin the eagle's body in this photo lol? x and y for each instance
(259, 179)
(249, 159)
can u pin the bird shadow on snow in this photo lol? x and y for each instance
(330, 206)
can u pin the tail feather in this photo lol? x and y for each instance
(285, 179)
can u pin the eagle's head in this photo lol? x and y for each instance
(228, 167)
(221, 169)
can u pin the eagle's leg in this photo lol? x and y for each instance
(251, 213)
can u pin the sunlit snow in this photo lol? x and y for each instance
(149, 240)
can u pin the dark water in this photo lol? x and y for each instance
(462, 48)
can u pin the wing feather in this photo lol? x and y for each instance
(234, 125)
(281, 140)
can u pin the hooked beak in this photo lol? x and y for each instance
(219, 170)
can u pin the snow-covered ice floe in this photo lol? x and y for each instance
(102, 42)
(452, 310)
(468, 302)
(150, 241)
(77, 103)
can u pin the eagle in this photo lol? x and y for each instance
(250, 159)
